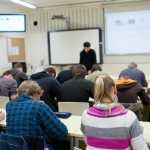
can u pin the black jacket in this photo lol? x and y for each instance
(19, 76)
(64, 76)
(88, 59)
(76, 90)
(50, 86)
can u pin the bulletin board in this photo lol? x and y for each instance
(16, 49)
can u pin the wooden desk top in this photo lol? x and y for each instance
(73, 124)
(146, 133)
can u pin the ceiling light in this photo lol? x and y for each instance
(24, 3)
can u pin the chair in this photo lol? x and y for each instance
(76, 108)
(3, 101)
(77, 148)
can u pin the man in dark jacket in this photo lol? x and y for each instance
(18, 74)
(77, 89)
(50, 86)
(135, 74)
(88, 57)
(129, 90)
(65, 75)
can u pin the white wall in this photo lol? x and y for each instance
(83, 16)
(3, 48)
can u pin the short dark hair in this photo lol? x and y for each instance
(86, 44)
(71, 68)
(79, 71)
(7, 73)
(96, 67)
(132, 65)
(18, 65)
(51, 70)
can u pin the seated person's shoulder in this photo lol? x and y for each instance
(131, 117)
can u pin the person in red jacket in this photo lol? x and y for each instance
(129, 90)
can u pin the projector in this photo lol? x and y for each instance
(58, 17)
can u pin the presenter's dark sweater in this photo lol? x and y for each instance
(88, 59)
(76, 90)
(50, 86)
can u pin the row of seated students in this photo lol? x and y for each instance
(106, 125)
(71, 85)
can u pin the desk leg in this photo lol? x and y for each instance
(71, 143)
(77, 139)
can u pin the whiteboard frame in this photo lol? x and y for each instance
(100, 44)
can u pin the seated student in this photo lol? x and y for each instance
(135, 74)
(77, 89)
(128, 91)
(8, 86)
(18, 74)
(107, 125)
(26, 116)
(96, 72)
(50, 85)
(2, 116)
(65, 75)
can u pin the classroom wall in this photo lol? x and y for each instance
(3, 47)
(82, 16)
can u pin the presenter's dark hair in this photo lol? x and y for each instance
(50, 71)
(96, 67)
(18, 65)
(86, 44)
(79, 71)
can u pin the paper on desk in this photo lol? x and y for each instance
(12, 51)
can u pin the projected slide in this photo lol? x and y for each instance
(127, 33)
(12, 23)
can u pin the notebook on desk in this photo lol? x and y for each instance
(62, 114)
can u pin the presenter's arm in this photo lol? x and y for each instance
(94, 58)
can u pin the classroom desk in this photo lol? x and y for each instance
(79, 136)
(73, 124)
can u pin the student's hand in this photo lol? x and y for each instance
(2, 116)
(89, 72)
(142, 127)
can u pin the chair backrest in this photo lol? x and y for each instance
(3, 101)
(76, 108)
(77, 148)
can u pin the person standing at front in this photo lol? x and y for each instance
(88, 57)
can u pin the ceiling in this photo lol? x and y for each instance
(50, 3)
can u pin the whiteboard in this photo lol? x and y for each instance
(65, 46)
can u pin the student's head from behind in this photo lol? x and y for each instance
(79, 71)
(71, 68)
(86, 46)
(51, 71)
(105, 90)
(30, 88)
(96, 68)
(132, 65)
(8, 74)
(18, 66)
(124, 77)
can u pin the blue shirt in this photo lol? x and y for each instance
(27, 117)
(135, 74)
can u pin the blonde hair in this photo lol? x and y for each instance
(103, 87)
(30, 88)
